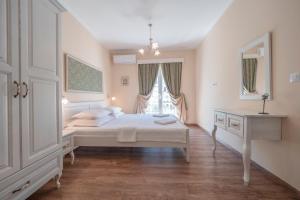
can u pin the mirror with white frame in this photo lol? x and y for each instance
(256, 69)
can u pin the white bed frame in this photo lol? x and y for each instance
(96, 141)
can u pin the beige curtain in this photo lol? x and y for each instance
(249, 74)
(172, 76)
(147, 74)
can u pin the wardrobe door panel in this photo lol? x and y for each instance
(3, 30)
(43, 115)
(9, 80)
(44, 34)
(4, 141)
(40, 80)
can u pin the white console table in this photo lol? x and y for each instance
(249, 126)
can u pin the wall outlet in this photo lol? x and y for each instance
(295, 77)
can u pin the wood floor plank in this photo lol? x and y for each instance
(161, 174)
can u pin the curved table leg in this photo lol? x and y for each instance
(214, 140)
(247, 151)
(246, 163)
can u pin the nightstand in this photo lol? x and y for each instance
(68, 144)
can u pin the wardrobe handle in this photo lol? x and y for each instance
(26, 86)
(17, 190)
(18, 89)
(26, 185)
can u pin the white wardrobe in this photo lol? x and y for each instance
(30, 105)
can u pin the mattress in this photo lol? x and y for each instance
(146, 129)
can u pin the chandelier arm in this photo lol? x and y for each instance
(150, 33)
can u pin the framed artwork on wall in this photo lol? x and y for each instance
(82, 77)
(124, 80)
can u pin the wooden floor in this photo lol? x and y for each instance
(161, 173)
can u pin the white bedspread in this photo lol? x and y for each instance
(127, 134)
(146, 129)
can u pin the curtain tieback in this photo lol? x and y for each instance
(142, 103)
(180, 103)
(143, 97)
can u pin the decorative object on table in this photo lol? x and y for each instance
(264, 97)
(125, 80)
(82, 77)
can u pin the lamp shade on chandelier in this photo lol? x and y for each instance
(153, 47)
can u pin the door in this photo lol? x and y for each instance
(160, 100)
(40, 79)
(9, 94)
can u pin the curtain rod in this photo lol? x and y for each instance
(164, 60)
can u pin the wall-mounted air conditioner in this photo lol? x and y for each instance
(124, 59)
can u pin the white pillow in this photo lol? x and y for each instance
(90, 122)
(101, 112)
(114, 109)
(118, 114)
(92, 115)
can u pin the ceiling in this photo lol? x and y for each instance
(123, 24)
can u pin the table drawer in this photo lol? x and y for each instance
(235, 124)
(220, 119)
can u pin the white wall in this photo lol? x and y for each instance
(218, 61)
(78, 42)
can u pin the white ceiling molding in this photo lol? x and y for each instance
(58, 5)
(119, 25)
(159, 61)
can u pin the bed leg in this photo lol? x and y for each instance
(187, 155)
(187, 148)
(214, 140)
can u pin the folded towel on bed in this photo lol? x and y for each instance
(127, 134)
(165, 121)
(161, 115)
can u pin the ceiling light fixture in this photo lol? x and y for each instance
(153, 47)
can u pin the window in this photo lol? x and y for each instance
(160, 100)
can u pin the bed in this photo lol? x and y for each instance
(146, 132)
